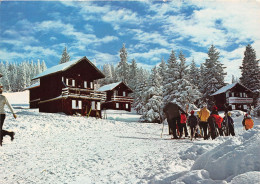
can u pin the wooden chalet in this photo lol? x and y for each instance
(69, 88)
(34, 95)
(117, 96)
(235, 95)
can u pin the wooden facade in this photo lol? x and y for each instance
(235, 95)
(117, 96)
(69, 88)
(34, 95)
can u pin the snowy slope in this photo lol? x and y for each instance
(55, 148)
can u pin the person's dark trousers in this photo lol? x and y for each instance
(4, 132)
(220, 131)
(204, 126)
(192, 129)
(172, 125)
(183, 127)
(231, 130)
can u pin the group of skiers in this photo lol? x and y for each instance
(205, 124)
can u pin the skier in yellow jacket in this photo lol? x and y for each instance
(203, 118)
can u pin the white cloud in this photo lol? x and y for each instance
(151, 55)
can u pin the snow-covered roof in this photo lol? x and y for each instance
(37, 84)
(227, 87)
(109, 86)
(63, 67)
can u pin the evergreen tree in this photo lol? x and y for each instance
(123, 67)
(213, 74)
(250, 76)
(171, 75)
(132, 75)
(194, 74)
(162, 70)
(65, 56)
(154, 94)
(185, 92)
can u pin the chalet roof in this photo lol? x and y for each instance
(65, 66)
(37, 84)
(111, 86)
(228, 87)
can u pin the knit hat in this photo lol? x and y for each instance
(191, 112)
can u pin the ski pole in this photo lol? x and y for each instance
(162, 128)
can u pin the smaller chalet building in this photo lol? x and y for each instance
(68, 88)
(235, 95)
(117, 96)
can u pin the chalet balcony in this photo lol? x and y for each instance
(84, 93)
(122, 99)
(239, 100)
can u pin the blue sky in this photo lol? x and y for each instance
(32, 30)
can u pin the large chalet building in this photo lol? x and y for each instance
(235, 95)
(68, 88)
(117, 96)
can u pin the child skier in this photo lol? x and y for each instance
(248, 122)
(192, 123)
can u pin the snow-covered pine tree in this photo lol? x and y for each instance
(5, 80)
(162, 70)
(65, 56)
(186, 93)
(123, 67)
(154, 94)
(213, 74)
(171, 75)
(21, 76)
(108, 73)
(194, 74)
(250, 76)
(132, 75)
(140, 95)
(43, 66)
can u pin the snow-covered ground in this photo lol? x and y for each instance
(55, 148)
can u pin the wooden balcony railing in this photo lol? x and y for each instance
(122, 99)
(85, 93)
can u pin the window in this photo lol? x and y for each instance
(73, 82)
(62, 79)
(115, 93)
(91, 85)
(67, 82)
(245, 107)
(227, 94)
(117, 105)
(85, 84)
(93, 105)
(241, 94)
(124, 94)
(98, 106)
(126, 106)
(74, 106)
(79, 104)
(233, 107)
(233, 94)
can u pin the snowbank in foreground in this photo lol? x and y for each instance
(236, 160)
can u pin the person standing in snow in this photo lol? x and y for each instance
(192, 123)
(248, 122)
(183, 125)
(172, 112)
(3, 102)
(230, 123)
(203, 118)
(218, 119)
